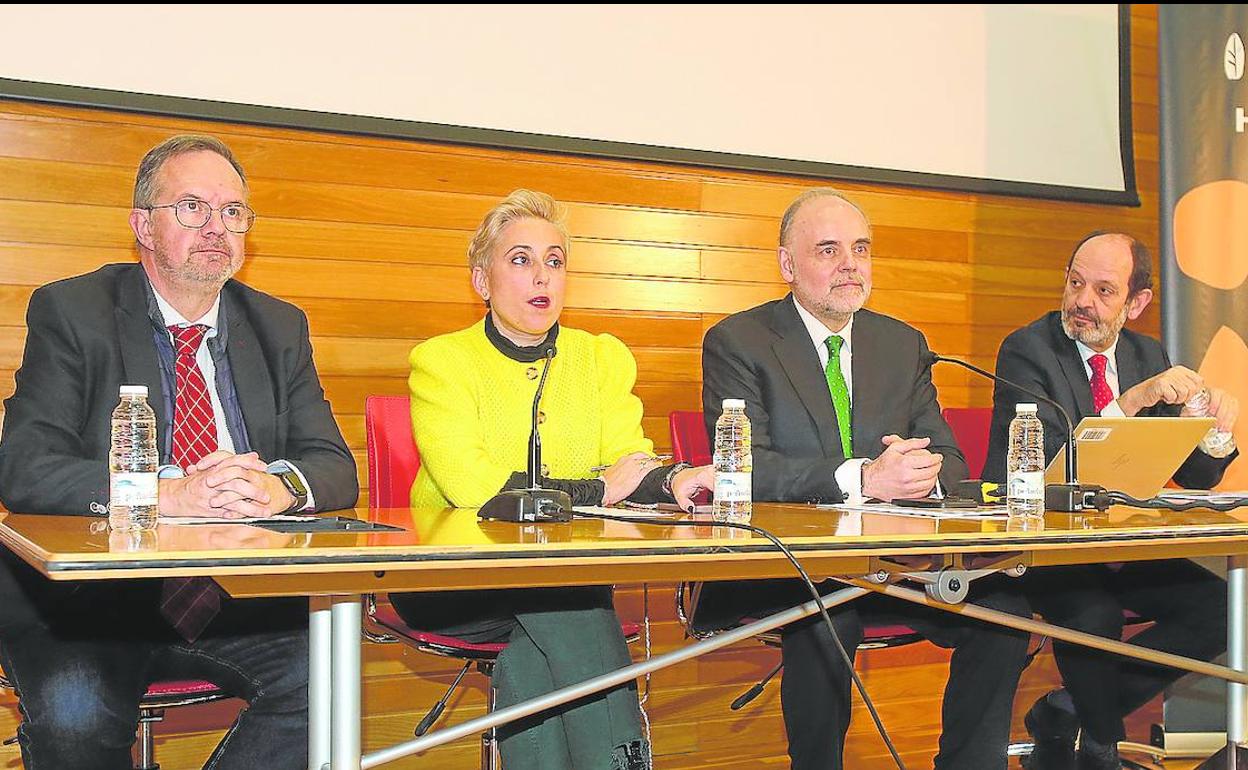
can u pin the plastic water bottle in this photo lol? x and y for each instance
(734, 463)
(132, 463)
(1025, 464)
(1216, 443)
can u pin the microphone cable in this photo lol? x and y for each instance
(1102, 500)
(810, 586)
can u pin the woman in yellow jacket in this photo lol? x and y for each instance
(472, 394)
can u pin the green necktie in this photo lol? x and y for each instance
(840, 393)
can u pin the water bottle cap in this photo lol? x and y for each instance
(134, 390)
(733, 403)
(1025, 409)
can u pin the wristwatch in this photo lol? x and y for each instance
(862, 477)
(294, 485)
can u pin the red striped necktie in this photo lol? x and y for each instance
(190, 603)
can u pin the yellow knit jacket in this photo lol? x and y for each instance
(472, 405)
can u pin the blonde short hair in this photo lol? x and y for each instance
(519, 204)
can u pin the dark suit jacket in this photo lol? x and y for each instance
(1041, 357)
(765, 356)
(88, 335)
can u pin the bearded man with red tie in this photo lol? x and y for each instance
(1083, 358)
(244, 430)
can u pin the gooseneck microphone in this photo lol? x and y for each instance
(532, 504)
(535, 438)
(1067, 497)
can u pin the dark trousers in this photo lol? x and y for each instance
(1186, 603)
(80, 675)
(555, 637)
(815, 692)
(20, 587)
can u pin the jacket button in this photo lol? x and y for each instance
(531, 372)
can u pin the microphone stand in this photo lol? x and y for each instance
(1069, 496)
(534, 503)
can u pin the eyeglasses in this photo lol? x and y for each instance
(193, 213)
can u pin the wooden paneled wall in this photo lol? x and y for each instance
(368, 236)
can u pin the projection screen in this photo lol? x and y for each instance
(1024, 99)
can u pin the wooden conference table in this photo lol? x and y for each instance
(450, 549)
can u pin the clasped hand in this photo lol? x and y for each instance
(225, 484)
(906, 469)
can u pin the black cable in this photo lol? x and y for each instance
(1102, 500)
(810, 585)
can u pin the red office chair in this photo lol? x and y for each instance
(393, 461)
(690, 444)
(970, 429)
(689, 441)
(159, 696)
(167, 695)
(392, 456)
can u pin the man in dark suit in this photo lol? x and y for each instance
(1083, 358)
(841, 403)
(243, 429)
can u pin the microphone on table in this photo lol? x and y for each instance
(1069, 496)
(534, 503)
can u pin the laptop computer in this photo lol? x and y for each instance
(1135, 455)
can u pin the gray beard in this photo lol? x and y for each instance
(1099, 336)
(193, 273)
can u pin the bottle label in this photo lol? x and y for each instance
(732, 487)
(1026, 486)
(132, 489)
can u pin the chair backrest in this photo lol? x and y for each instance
(970, 429)
(392, 455)
(689, 441)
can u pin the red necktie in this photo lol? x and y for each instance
(190, 604)
(194, 425)
(1101, 394)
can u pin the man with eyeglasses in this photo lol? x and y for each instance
(244, 430)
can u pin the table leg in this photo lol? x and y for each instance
(1234, 756)
(319, 686)
(345, 696)
(1237, 648)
